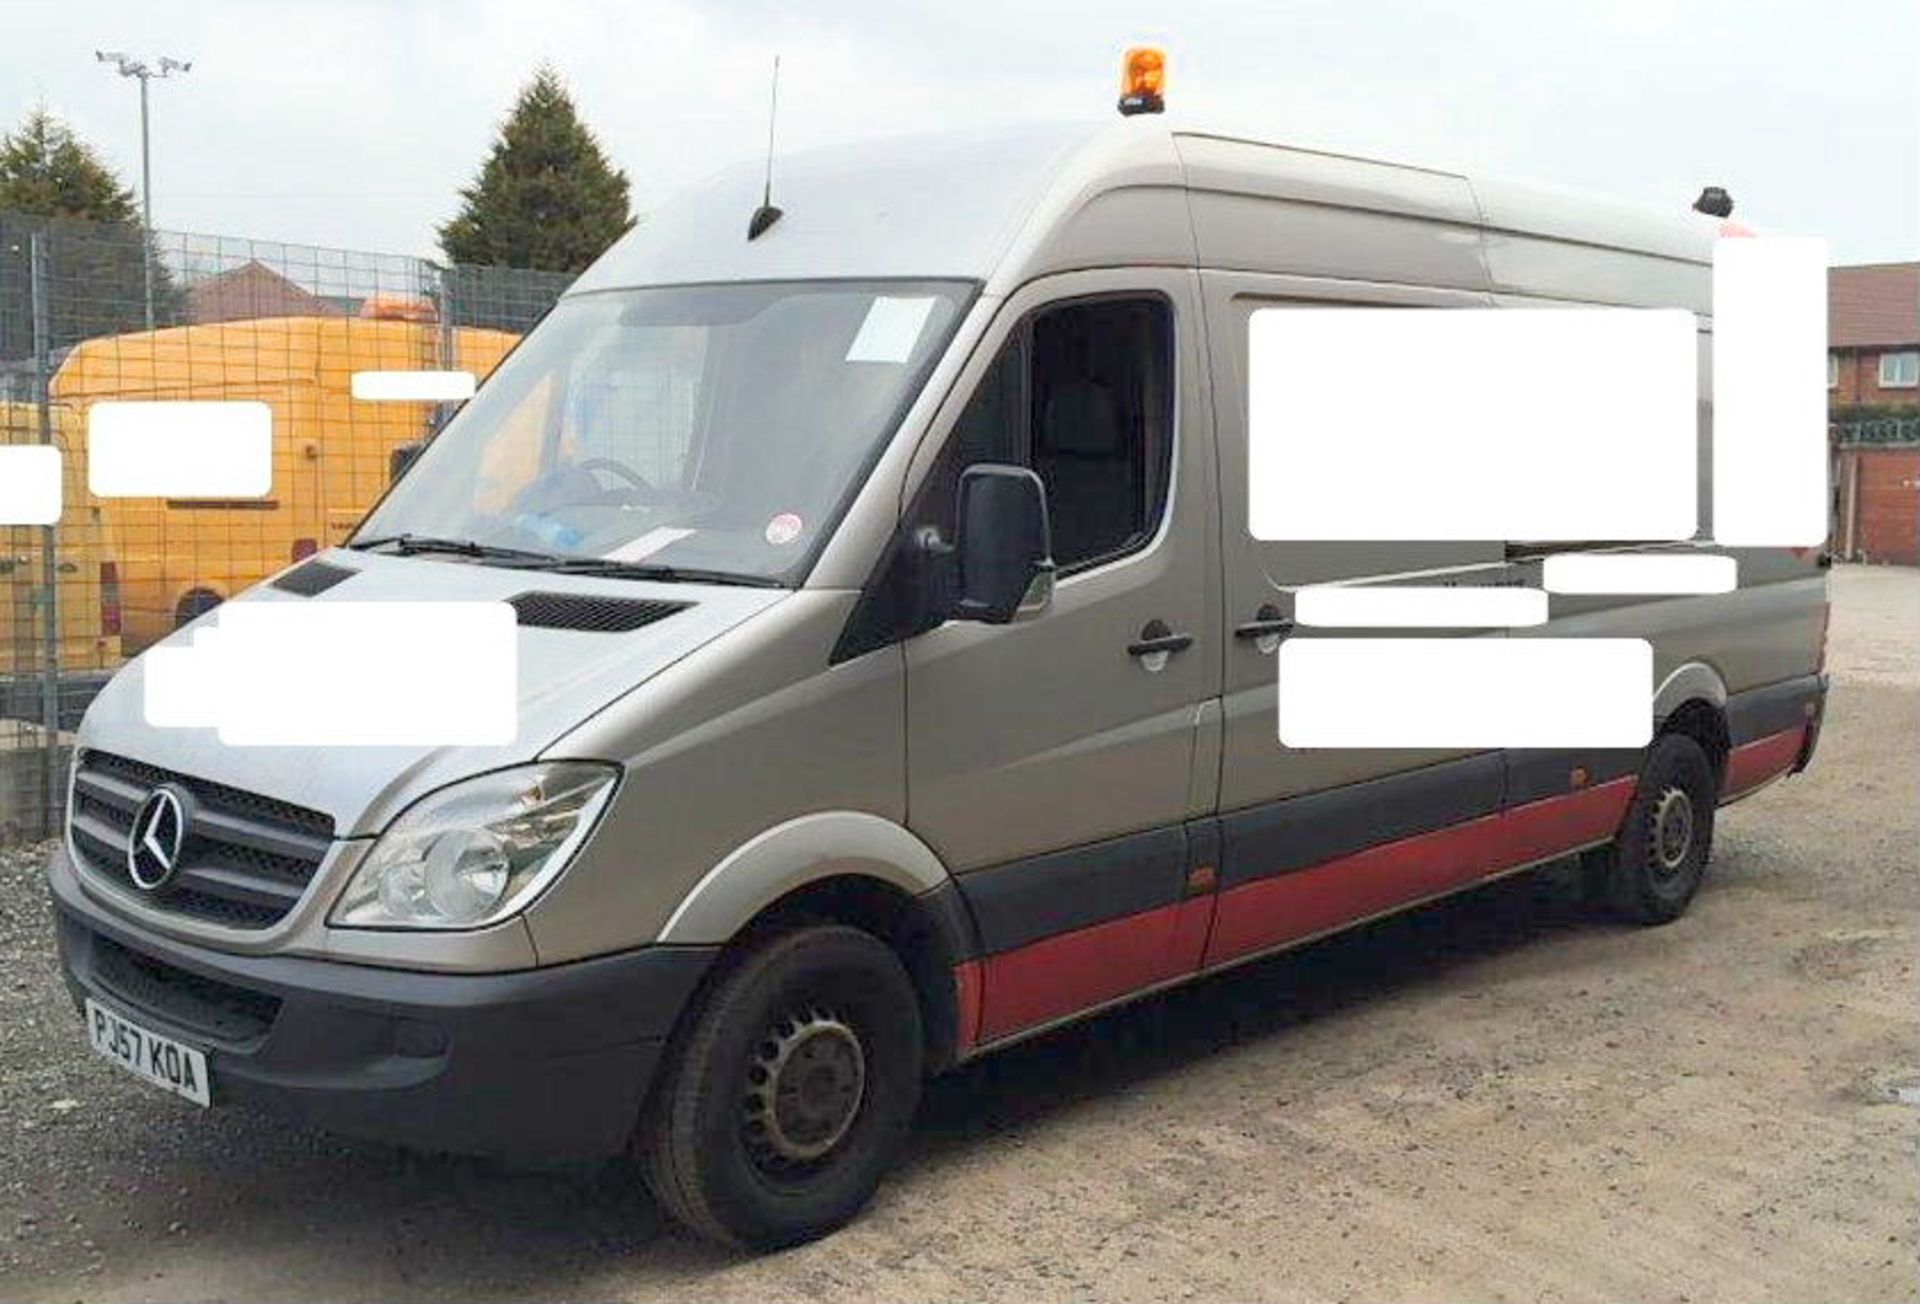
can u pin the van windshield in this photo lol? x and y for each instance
(717, 430)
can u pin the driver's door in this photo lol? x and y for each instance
(1051, 764)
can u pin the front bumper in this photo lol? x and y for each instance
(542, 1064)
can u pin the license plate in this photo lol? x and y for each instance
(160, 1060)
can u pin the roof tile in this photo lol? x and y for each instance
(1877, 304)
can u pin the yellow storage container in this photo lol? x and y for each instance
(331, 453)
(85, 589)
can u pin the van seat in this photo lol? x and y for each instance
(1083, 453)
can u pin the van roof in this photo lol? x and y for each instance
(1002, 205)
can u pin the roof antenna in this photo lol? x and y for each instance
(766, 215)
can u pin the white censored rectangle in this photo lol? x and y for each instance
(343, 674)
(1466, 692)
(1652, 573)
(1410, 606)
(1379, 424)
(1770, 391)
(413, 386)
(29, 484)
(180, 449)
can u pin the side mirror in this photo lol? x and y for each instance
(402, 457)
(1003, 548)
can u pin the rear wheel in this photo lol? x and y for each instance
(791, 1091)
(1653, 868)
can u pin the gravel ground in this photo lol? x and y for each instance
(1494, 1099)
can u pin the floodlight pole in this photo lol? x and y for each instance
(131, 67)
(146, 185)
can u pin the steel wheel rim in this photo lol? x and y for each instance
(1673, 830)
(805, 1085)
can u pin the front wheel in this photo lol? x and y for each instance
(790, 1093)
(1650, 872)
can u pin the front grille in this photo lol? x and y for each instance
(587, 611)
(204, 1005)
(245, 859)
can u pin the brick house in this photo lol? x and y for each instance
(253, 290)
(1873, 409)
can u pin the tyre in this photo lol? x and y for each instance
(1648, 875)
(789, 1093)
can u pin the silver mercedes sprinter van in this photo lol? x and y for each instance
(896, 676)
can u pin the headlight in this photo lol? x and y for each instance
(477, 851)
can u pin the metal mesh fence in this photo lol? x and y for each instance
(92, 313)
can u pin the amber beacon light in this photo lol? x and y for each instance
(1143, 81)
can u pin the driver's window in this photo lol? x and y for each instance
(636, 404)
(1081, 393)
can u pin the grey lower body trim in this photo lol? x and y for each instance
(1758, 712)
(1026, 900)
(1298, 832)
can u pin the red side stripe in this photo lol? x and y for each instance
(1269, 911)
(1192, 928)
(1543, 829)
(1752, 764)
(1287, 907)
(1059, 976)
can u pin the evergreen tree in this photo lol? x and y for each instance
(546, 197)
(96, 253)
(47, 171)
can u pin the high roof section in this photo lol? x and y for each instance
(1002, 206)
(1873, 305)
(914, 206)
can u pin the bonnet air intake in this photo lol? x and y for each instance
(589, 612)
(314, 577)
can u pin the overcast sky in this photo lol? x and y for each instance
(350, 124)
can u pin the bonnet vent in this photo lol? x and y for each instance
(586, 611)
(314, 577)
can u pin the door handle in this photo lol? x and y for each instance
(1267, 624)
(1160, 643)
(1157, 641)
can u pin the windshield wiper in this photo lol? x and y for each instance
(629, 570)
(408, 545)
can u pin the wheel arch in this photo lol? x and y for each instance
(779, 861)
(846, 867)
(1693, 701)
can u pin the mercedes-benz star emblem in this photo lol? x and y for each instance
(153, 843)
